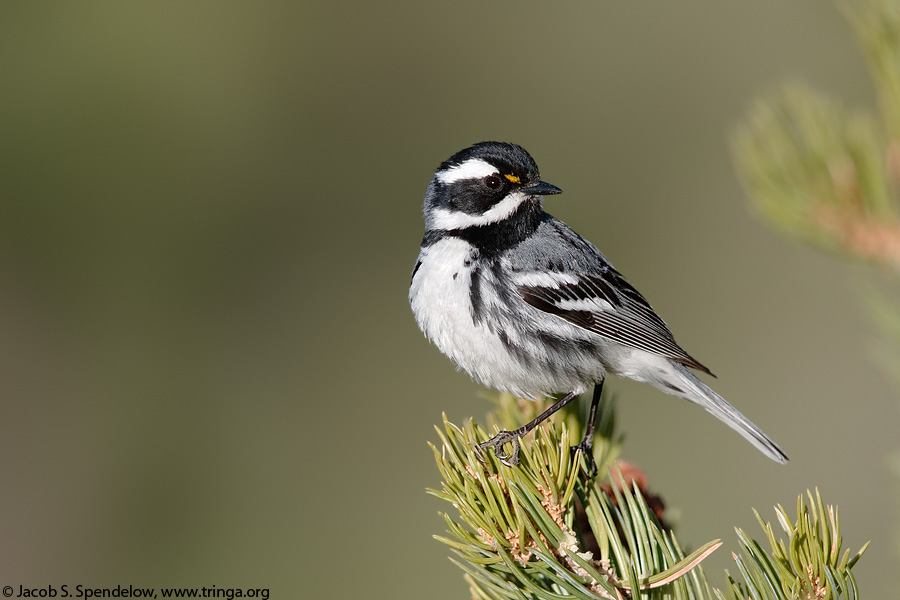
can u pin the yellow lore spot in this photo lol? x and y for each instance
(513, 178)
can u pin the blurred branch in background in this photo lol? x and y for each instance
(826, 175)
(545, 529)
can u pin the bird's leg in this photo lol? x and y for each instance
(587, 442)
(511, 459)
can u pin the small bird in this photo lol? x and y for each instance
(525, 305)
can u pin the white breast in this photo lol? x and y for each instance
(440, 296)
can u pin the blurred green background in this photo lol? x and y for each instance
(210, 211)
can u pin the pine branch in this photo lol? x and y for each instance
(810, 565)
(546, 530)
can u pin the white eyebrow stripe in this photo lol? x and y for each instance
(456, 219)
(474, 168)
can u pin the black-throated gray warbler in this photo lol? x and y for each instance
(527, 306)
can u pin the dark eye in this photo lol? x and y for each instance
(493, 182)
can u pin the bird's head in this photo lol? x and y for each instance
(482, 185)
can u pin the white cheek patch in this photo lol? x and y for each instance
(474, 168)
(443, 218)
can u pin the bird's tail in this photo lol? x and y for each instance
(692, 389)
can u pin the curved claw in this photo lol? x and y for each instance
(510, 459)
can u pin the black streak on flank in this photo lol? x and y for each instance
(475, 296)
(561, 344)
(504, 288)
(514, 349)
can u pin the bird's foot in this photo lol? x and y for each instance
(510, 459)
(587, 451)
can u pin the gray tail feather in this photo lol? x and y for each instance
(700, 393)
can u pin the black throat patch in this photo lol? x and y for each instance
(493, 238)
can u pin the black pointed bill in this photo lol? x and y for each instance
(541, 188)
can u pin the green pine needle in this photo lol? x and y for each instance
(809, 566)
(524, 531)
(546, 530)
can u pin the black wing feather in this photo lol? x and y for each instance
(630, 321)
